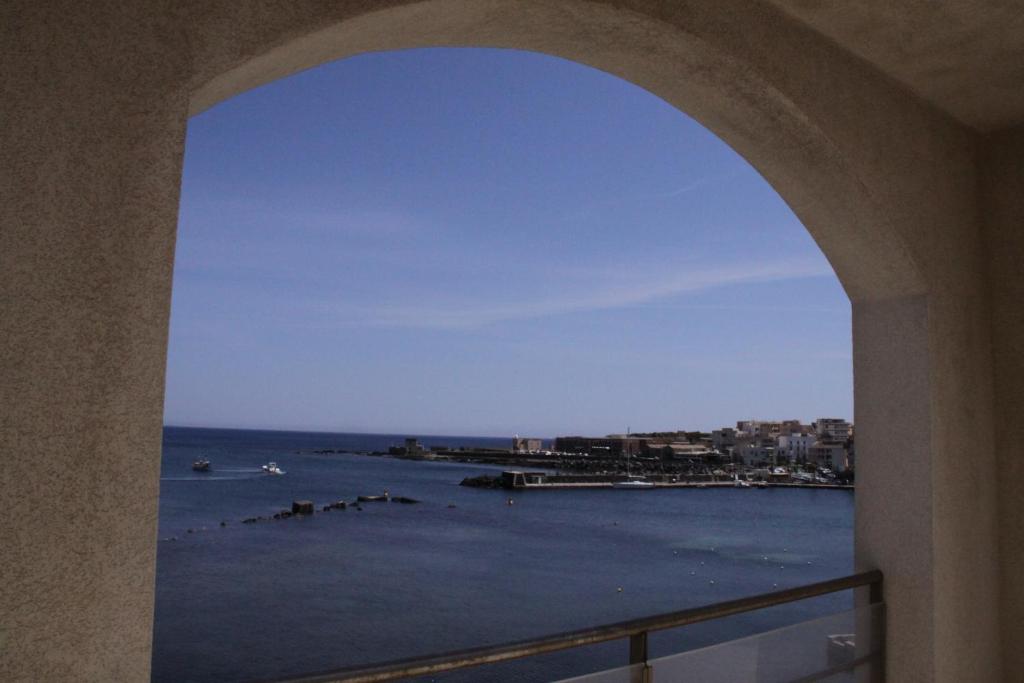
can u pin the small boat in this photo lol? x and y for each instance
(272, 468)
(201, 465)
(740, 484)
(633, 483)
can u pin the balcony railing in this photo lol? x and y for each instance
(867, 651)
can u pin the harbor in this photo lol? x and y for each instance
(755, 454)
(533, 480)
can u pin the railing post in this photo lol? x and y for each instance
(875, 593)
(638, 655)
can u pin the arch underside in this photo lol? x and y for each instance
(729, 96)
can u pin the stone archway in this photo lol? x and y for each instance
(876, 177)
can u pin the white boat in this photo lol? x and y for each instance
(272, 468)
(634, 483)
(739, 483)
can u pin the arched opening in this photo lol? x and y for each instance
(778, 127)
(479, 599)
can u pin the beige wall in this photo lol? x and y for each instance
(88, 200)
(1003, 197)
(95, 103)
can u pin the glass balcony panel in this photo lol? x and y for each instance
(838, 647)
(625, 674)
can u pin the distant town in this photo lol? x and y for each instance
(784, 452)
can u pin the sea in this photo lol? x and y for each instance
(461, 568)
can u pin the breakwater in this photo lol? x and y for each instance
(306, 508)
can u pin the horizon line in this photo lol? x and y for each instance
(461, 436)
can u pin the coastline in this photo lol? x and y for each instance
(558, 476)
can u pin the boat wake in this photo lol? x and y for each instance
(253, 475)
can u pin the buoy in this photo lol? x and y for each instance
(510, 501)
(620, 589)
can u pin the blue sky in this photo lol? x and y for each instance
(466, 241)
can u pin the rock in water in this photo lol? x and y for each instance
(302, 507)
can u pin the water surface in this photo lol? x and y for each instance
(286, 597)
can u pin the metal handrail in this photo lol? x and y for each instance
(634, 629)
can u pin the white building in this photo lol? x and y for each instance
(756, 452)
(795, 446)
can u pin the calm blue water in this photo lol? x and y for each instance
(287, 597)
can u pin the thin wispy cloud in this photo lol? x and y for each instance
(600, 295)
(590, 208)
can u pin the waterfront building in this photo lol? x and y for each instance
(792, 427)
(525, 445)
(832, 429)
(613, 445)
(412, 447)
(768, 428)
(825, 454)
(794, 446)
(723, 440)
(756, 452)
(681, 451)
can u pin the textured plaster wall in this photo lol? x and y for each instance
(1003, 164)
(91, 139)
(95, 103)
